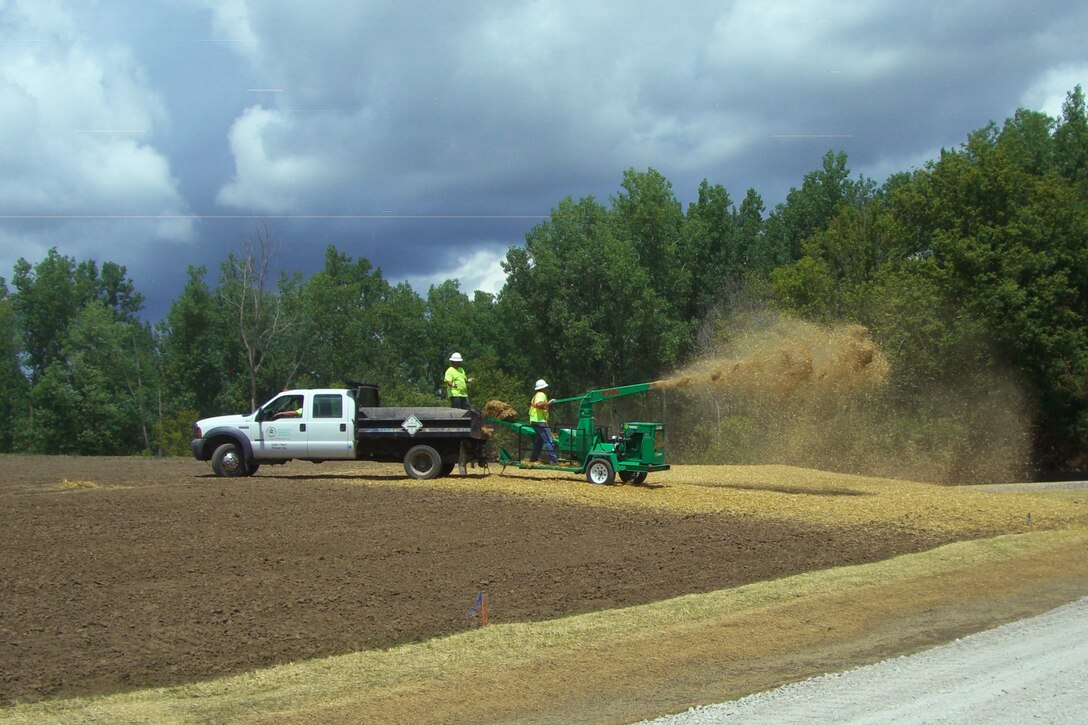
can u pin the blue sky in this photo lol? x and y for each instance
(429, 137)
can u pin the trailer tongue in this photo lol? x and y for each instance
(586, 448)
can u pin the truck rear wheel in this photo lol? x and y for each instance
(228, 461)
(423, 462)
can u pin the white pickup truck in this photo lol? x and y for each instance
(340, 424)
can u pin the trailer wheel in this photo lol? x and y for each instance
(635, 477)
(447, 468)
(228, 461)
(423, 462)
(600, 471)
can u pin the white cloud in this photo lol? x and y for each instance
(77, 122)
(230, 20)
(791, 35)
(15, 244)
(274, 173)
(479, 270)
(1048, 93)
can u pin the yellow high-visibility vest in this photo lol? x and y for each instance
(538, 415)
(459, 387)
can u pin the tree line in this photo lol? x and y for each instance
(970, 269)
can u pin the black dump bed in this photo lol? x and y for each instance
(417, 423)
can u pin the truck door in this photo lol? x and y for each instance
(283, 433)
(332, 427)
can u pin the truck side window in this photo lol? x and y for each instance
(287, 407)
(328, 406)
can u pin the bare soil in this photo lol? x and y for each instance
(126, 573)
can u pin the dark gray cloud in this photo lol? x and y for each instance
(429, 140)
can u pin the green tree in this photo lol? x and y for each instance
(709, 248)
(978, 261)
(358, 327)
(1026, 139)
(406, 376)
(111, 287)
(579, 307)
(806, 287)
(13, 383)
(756, 254)
(51, 293)
(647, 217)
(45, 301)
(1071, 140)
(839, 262)
(810, 209)
(340, 325)
(193, 336)
(68, 313)
(97, 396)
(55, 423)
(111, 370)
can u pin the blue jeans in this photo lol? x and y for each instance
(543, 439)
(457, 401)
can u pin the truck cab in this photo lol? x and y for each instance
(316, 425)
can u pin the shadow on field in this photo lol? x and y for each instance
(791, 490)
(355, 477)
(573, 478)
(310, 477)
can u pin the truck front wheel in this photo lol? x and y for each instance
(228, 461)
(423, 462)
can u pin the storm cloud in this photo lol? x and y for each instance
(429, 137)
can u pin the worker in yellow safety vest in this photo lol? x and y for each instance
(538, 418)
(457, 383)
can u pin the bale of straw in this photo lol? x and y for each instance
(499, 410)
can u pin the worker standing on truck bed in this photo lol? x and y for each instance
(457, 383)
(538, 418)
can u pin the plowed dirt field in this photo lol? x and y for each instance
(120, 574)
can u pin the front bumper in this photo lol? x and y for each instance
(197, 445)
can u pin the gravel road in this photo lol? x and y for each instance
(1031, 671)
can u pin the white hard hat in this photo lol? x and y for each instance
(455, 357)
(541, 384)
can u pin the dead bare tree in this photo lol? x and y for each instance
(261, 312)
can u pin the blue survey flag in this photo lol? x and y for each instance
(477, 605)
